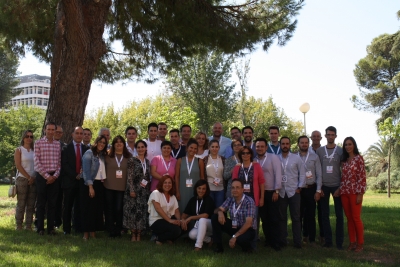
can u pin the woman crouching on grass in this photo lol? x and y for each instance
(352, 189)
(164, 216)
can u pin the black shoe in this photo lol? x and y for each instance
(219, 249)
(41, 232)
(52, 232)
(327, 245)
(67, 233)
(297, 246)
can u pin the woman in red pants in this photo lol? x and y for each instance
(352, 189)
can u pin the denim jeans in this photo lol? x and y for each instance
(325, 216)
(218, 197)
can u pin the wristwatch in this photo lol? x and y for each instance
(277, 191)
(234, 236)
(318, 191)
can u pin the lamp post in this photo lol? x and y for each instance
(304, 108)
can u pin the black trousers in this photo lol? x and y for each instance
(308, 206)
(165, 231)
(114, 211)
(244, 240)
(269, 214)
(294, 208)
(71, 208)
(59, 207)
(46, 194)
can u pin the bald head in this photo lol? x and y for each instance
(217, 129)
(316, 138)
(77, 135)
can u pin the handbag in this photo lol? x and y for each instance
(12, 191)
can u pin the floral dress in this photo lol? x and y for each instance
(135, 209)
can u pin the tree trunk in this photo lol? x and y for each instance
(390, 151)
(78, 47)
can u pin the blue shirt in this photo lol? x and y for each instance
(246, 210)
(274, 149)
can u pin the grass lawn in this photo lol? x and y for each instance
(381, 218)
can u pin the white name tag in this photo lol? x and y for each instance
(329, 169)
(189, 182)
(284, 178)
(216, 181)
(118, 174)
(247, 188)
(309, 174)
(143, 183)
(234, 224)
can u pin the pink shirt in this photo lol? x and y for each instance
(162, 169)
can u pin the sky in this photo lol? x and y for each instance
(315, 66)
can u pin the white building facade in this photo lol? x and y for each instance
(35, 91)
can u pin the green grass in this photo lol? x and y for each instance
(21, 248)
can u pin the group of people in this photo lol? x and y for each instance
(199, 187)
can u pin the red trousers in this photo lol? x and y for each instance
(355, 226)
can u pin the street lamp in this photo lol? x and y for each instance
(304, 109)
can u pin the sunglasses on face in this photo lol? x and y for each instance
(29, 136)
(246, 153)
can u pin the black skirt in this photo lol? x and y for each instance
(92, 208)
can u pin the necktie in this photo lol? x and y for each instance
(78, 158)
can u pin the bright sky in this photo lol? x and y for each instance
(316, 66)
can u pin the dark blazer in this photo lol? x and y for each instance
(68, 165)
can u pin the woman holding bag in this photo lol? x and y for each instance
(25, 182)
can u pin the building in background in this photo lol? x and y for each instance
(35, 91)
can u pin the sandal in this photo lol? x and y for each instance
(138, 236)
(359, 248)
(133, 237)
(352, 246)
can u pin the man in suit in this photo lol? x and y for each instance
(71, 166)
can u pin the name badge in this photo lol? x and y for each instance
(118, 174)
(196, 225)
(189, 182)
(284, 178)
(165, 174)
(234, 224)
(143, 183)
(247, 188)
(309, 175)
(216, 181)
(329, 169)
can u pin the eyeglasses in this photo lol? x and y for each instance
(102, 142)
(246, 153)
(29, 136)
(58, 132)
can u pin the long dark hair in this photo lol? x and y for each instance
(125, 151)
(144, 143)
(201, 182)
(94, 146)
(345, 154)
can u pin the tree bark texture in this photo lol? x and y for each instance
(78, 47)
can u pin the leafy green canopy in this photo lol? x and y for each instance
(8, 75)
(153, 31)
(378, 78)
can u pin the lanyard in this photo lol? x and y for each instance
(250, 146)
(287, 160)
(177, 153)
(119, 162)
(304, 162)
(332, 155)
(198, 207)
(189, 167)
(236, 160)
(246, 175)
(235, 210)
(143, 165)
(277, 151)
(215, 166)
(168, 203)
(165, 165)
(262, 164)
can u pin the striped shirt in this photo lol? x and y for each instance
(47, 157)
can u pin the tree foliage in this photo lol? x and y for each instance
(79, 38)
(8, 75)
(376, 158)
(12, 124)
(378, 78)
(203, 83)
